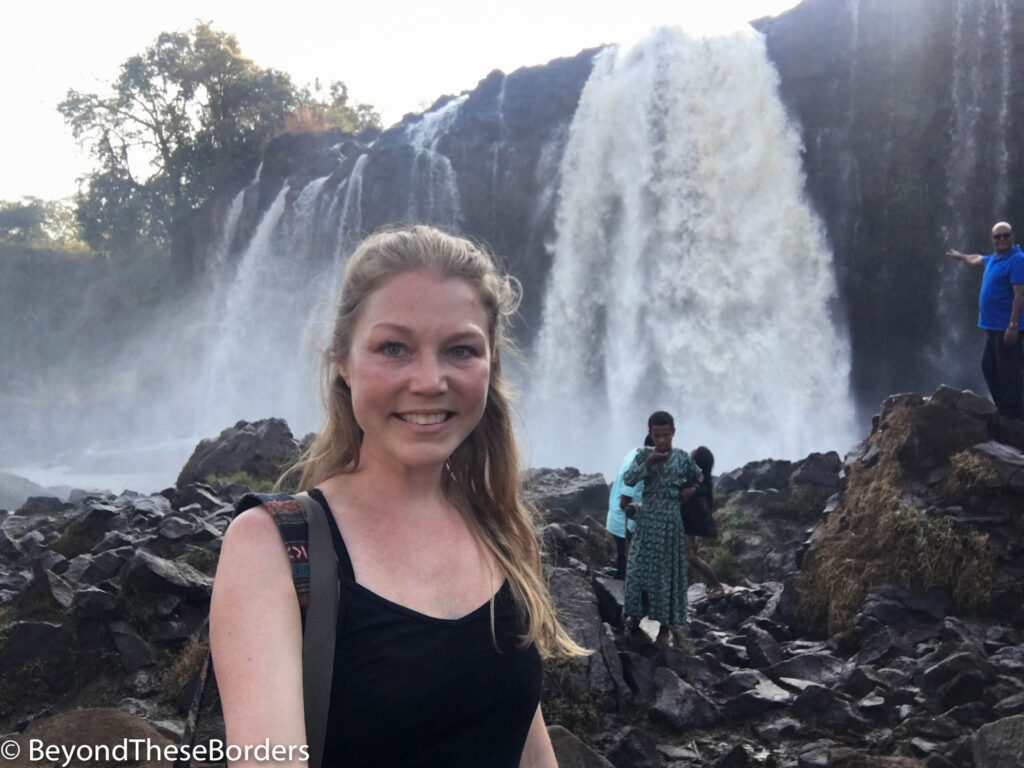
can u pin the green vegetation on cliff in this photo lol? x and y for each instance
(183, 118)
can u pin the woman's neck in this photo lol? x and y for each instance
(395, 487)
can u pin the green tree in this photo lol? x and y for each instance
(334, 110)
(36, 223)
(183, 117)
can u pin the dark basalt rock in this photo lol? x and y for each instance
(148, 573)
(760, 698)
(92, 603)
(820, 469)
(678, 705)
(135, 652)
(42, 505)
(756, 476)
(814, 667)
(762, 649)
(1000, 743)
(263, 449)
(906, 680)
(573, 753)
(633, 746)
(566, 495)
(34, 641)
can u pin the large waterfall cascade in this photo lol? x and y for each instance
(689, 273)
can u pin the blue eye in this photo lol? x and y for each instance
(391, 349)
(463, 351)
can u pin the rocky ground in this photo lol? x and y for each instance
(874, 616)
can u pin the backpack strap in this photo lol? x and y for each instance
(304, 530)
(320, 628)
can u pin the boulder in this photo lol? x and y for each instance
(85, 730)
(1000, 744)
(634, 747)
(601, 672)
(135, 652)
(15, 490)
(43, 505)
(566, 495)
(570, 752)
(1007, 464)
(821, 469)
(756, 476)
(568, 543)
(678, 705)
(263, 449)
(148, 573)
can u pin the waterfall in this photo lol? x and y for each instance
(351, 221)
(433, 193)
(688, 272)
(977, 175)
(220, 256)
(269, 317)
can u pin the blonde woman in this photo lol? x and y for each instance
(444, 617)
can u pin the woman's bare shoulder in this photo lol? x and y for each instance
(253, 548)
(255, 527)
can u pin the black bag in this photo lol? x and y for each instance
(698, 519)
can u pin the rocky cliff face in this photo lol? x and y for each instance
(910, 149)
(485, 163)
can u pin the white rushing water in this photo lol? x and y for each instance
(689, 273)
(433, 191)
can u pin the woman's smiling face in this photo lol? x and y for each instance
(418, 368)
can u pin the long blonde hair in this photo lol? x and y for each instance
(482, 476)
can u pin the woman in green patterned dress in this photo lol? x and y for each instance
(656, 575)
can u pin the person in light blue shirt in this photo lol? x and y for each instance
(619, 497)
(999, 310)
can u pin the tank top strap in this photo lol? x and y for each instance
(344, 561)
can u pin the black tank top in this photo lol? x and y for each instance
(413, 691)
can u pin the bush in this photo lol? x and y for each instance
(241, 477)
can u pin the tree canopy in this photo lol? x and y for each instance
(36, 223)
(184, 116)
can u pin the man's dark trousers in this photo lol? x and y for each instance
(1003, 366)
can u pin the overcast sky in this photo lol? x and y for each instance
(399, 55)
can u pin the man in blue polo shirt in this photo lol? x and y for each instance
(999, 311)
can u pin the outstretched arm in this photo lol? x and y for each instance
(973, 259)
(256, 637)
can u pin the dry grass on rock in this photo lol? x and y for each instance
(181, 672)
(878, 536)
(969, 472)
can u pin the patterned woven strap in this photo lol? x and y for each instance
(291, 522)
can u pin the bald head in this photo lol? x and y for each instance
(1002, 237)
